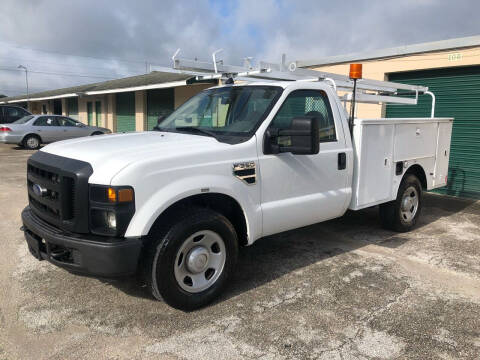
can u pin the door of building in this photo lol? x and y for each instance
(98, 113)
(160, 102)
(125, 107)
(90, 113)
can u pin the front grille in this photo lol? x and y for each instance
(48, 210)
(57, 201)
(61, 196)
(69, 189)
(44, 174)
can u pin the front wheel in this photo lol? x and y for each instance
(402, 214)
(189, 263)
(31, 142)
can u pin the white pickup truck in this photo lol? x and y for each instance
(233, 164)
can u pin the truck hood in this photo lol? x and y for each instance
(109, 154)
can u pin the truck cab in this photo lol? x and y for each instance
(233, 164)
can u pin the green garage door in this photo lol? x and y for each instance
(125, 111)
(457, 92)
(159, 102)
(89, 113)
(98, 113)
(72, 106)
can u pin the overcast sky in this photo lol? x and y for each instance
(65, 43)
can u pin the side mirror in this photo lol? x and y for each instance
(301, 139)
(79, 124)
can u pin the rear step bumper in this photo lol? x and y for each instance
(80, 253)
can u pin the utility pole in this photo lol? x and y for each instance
(26, 81)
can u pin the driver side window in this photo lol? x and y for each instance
(310, 103)
(64, 121)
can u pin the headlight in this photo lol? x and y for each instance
(111, 219)
(111, 209)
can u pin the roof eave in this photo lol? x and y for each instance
(85, 89)
(413, 49)
(138, 88)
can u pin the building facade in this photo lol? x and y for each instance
(127, 104)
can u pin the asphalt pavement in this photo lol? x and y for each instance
(343, 289)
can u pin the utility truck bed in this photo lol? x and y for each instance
(384, 147)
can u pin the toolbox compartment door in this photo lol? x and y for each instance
(442, 154)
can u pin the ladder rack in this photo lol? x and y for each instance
(367, 90)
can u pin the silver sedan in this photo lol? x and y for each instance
(33, 130)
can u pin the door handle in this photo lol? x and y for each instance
(342, 161)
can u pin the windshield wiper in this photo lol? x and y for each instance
(197, 130)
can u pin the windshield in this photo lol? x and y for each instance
(232, 110)
(23, 120)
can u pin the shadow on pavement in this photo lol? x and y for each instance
(21, 148)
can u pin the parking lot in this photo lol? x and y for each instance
(344, 289)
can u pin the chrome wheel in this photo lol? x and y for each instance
(32, 142)
(200, 261)
(409, 204)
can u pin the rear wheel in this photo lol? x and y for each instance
(402, 214)
(188, 264)
(31, 142)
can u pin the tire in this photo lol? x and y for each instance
(189, 262)
(31, 142)
(97, 133)
(402, 214)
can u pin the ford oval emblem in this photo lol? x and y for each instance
(39, 190)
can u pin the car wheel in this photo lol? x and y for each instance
(97, 133)
(402, 214)
(189, 263)
(31, 142)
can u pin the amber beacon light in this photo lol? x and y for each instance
(355, 74)
(355, 71)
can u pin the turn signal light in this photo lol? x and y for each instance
(4, 128)
(125, 195)
(121, 195)
(112, 195)
(355, 71)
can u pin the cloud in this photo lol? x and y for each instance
(313, 29)
(121, 35)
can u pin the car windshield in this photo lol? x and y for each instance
(23, 120)
(232, 110)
